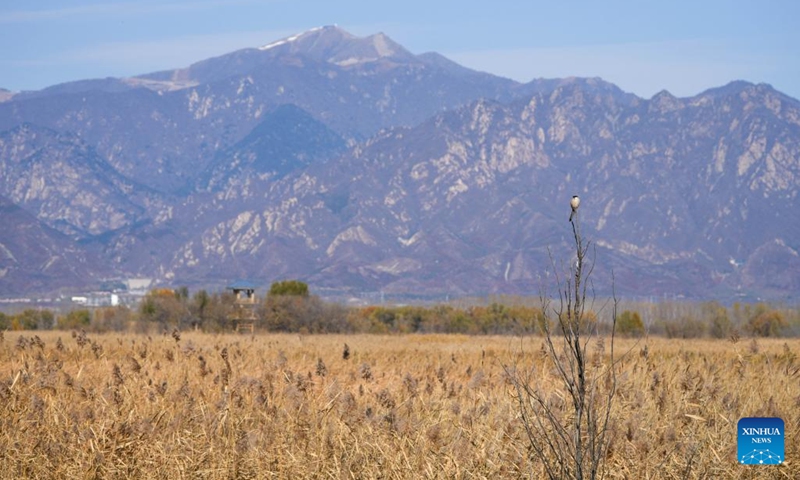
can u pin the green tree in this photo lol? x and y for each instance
(75, 320)
(767, 324)
(717, 318)
(182, 293)
(114, 319)
(199, 307)
(630, 324)
(526, 320)
(458, 321)
(32, 319)
(211, 312)
(165, 308)
(685, 327)
(289, 287)
(494, 319)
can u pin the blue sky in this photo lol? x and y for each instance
(643, 47)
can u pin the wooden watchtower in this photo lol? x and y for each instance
(243, 315)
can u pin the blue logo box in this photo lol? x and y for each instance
(760, 441)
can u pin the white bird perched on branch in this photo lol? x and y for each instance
(574, 203)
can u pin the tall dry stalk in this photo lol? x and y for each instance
(567, 423)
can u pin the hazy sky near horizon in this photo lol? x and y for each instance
(643, 47)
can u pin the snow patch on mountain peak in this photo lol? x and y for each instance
(289, 39)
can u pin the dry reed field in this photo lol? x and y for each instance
(197, 405)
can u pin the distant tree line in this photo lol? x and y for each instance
(289, 307)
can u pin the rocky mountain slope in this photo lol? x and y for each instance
(36, 258)
(358, 166)
(5, 95)
(680, 196)
(174, 123)
(65, 183)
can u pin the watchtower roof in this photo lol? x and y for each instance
(242, 285)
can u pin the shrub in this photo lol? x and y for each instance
(686, 327)
(291, 313)
(716, 315)
(630, 324)
(75, 320)
(114, 319)
(165, 308)
(767, 324)
(32, 319)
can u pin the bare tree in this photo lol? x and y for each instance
(567, 423)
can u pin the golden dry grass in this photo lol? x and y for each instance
(415, 406)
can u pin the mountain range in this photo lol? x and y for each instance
(357, 166)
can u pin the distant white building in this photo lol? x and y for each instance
(98, 299)
(138, 283)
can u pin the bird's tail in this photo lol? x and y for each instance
(571, 215)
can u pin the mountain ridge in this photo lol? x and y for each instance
(356, 165)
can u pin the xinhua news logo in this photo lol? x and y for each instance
(760, 441)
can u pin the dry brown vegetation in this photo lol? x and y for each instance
(405, 406)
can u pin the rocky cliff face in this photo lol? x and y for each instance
(354, 164)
